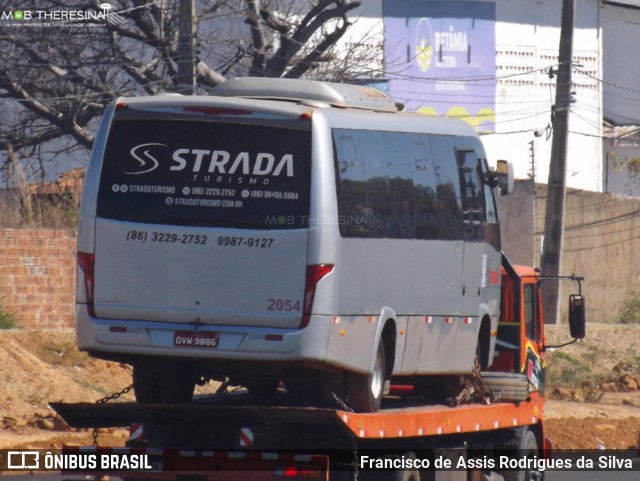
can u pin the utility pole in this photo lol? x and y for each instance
(556, 186)
(186, 61)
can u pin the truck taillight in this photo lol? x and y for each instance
(86, 263)
(301, 472)
(314, 275)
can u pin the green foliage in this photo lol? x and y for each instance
(7, 320)
(564, 370)
(631, 309)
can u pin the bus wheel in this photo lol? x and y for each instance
(178, 384)
(365, 390)
(146, 383)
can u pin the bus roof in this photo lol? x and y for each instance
(334, 94)
(344, 105)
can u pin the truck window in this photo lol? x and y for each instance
(204, 173)
(529, 311)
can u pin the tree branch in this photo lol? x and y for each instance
(56, 118)
(260, 43)
(317, 53)
(290, 46)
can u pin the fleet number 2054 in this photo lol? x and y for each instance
(282, 305)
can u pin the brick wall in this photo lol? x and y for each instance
(37, 276)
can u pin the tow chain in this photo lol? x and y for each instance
(473, 389)
(224, 387)
(104, 400)
(483, 393)
(340, 403)
(115, 395)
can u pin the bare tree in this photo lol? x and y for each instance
(56, 80)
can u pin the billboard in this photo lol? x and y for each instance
(440, 58)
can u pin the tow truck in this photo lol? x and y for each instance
(240, 436)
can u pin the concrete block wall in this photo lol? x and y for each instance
(601, 243)
(37, 276)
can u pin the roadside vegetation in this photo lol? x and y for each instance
(7, 320)
(631, 309)
(20, 208)
(606, 360)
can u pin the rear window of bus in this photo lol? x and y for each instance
(206, 173)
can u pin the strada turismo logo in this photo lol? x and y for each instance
(205, 161)
(62, 17)
(146, 161)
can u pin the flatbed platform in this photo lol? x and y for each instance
(400, 418)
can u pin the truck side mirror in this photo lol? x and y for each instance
(577, 319)
(504, 177)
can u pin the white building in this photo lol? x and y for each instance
(620, 20)
(489, 62)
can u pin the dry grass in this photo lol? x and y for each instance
(19, 209)
(607, 352)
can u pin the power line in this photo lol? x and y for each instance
(611, 84)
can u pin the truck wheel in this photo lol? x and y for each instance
(507, 386)
(146, 383)
(365, 390)
(407, 474)
(178, 384)
(528, 447)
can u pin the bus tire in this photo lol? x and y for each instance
(507, 386)
(146, 383)
(178, 384)
(365, 390)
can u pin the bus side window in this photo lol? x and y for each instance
(401, 208)
(472, 188)
(347, 153)
(352, 195)
(376, 182)
(447, 187)
(490, 202)
(425, 183)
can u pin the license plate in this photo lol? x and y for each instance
(202, 340)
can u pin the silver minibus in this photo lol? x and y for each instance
(288, 233)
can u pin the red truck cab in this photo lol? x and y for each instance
(520, 343)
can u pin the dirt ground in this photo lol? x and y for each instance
(592, 400)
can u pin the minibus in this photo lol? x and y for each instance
(286, 233)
